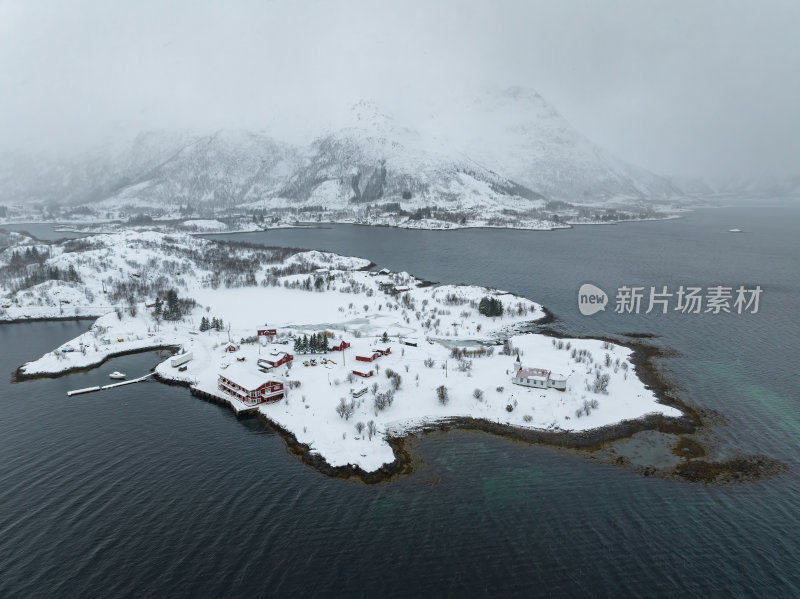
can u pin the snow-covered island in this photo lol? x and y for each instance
(343, 358)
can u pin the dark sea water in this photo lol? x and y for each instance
(147, 491)
(43, 231)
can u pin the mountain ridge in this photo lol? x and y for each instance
(509, 148)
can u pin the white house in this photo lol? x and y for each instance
(540, 379)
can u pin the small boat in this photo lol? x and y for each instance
(117, 375)
(734, 230)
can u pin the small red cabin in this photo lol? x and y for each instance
(231, 347)
(267, 332)
(366, 375)
(277, 359)
(369, 358)
(343, 345)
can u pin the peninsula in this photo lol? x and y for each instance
(343, 358)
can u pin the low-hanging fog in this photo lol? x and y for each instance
(706, 88)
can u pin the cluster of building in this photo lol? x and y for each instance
(371, 357)
(253, 388)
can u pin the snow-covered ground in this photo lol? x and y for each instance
(307, 293)
(205, 224)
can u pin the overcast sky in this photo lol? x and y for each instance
(681, 87)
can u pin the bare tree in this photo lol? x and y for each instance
(344, 409)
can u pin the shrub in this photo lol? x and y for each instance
(441, 395)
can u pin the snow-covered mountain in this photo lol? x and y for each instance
(505, 150)
(517, 131)
(766, 185)
(156, 168)
(376, 158)
(221, 169)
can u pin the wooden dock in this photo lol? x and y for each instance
(111, 386)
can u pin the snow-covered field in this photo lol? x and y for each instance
(315, 293)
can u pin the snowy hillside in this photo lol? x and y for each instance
(154, 169)
(534, 145)
(378, 159)
(221, 170)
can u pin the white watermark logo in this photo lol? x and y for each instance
(685, 299)
(591, 299)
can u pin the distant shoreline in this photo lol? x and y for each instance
(79, 228)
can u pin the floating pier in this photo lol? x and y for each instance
(111, 386)
(80, 391)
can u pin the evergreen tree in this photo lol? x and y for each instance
(490, 306)
(203, 324)
(298, 345)
(304, 346)
(385, 337)
(72, 274)
(324, 346)
(173, 306)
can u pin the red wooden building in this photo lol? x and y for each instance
(343, 345)
(267, 332)
(370, 358)
(366, 375)
(231, 347)
(248, 387)
(276, 359)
